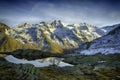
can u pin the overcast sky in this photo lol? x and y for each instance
(95, 12)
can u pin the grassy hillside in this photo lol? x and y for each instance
(55, 48)
(10, 44)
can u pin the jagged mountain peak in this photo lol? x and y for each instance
(58, 23)
(43, 23)
(2, 25)
(24, 25)
(82, 25)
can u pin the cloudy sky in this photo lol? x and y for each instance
(95, 12)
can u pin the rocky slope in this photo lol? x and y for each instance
(8, 43)
(55, 36)
(107, 29)
(109, 43)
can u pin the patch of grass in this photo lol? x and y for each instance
(32, 54)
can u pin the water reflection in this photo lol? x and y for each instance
(39, 62)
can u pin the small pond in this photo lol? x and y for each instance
(38, 62)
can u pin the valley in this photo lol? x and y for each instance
(59, 39)
(57, 51)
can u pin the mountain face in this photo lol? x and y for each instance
(107, 29)
(59, 36)
(8, 43)
(110, 43)
(55, 36)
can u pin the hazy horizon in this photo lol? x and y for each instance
(94, 12)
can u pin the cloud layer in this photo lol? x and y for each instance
(70, 11)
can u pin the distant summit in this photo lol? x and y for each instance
(25, 25)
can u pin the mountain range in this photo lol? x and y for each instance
(56, 36)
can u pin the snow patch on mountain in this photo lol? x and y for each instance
(100, 50)
(107, 44)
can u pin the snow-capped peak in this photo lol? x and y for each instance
(58, 23)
